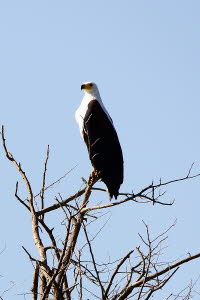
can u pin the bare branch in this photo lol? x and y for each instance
(129, 290)
(34, 289)
(61, 203)
(116, 271)
(94, 262)
(161, 285)
(43, 182)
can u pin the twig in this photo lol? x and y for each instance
(116, 271)
(43, 182)
(94, 263)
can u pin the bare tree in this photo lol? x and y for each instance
(69, 269)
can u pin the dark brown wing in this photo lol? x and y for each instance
(103, 146)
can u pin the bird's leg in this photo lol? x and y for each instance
(90, 180)
(94, 177)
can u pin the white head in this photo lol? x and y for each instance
(90, 88)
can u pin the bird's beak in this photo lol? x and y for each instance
(83, 86)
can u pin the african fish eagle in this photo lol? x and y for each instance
(100, 136)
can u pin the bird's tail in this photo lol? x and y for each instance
(113, 190)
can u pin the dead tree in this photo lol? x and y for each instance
(61, 270)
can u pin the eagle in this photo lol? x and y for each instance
(99, 134)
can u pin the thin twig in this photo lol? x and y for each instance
(44, 182)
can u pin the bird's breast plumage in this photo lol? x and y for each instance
(81, 112)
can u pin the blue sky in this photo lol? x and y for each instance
(144, 56)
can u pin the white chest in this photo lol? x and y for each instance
(81, 112)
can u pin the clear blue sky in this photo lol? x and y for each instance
(145, 58)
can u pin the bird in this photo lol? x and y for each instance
(100, 136)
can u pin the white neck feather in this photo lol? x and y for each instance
(90, 95)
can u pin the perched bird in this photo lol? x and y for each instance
(100, 136)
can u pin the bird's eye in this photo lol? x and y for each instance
(90, 85)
